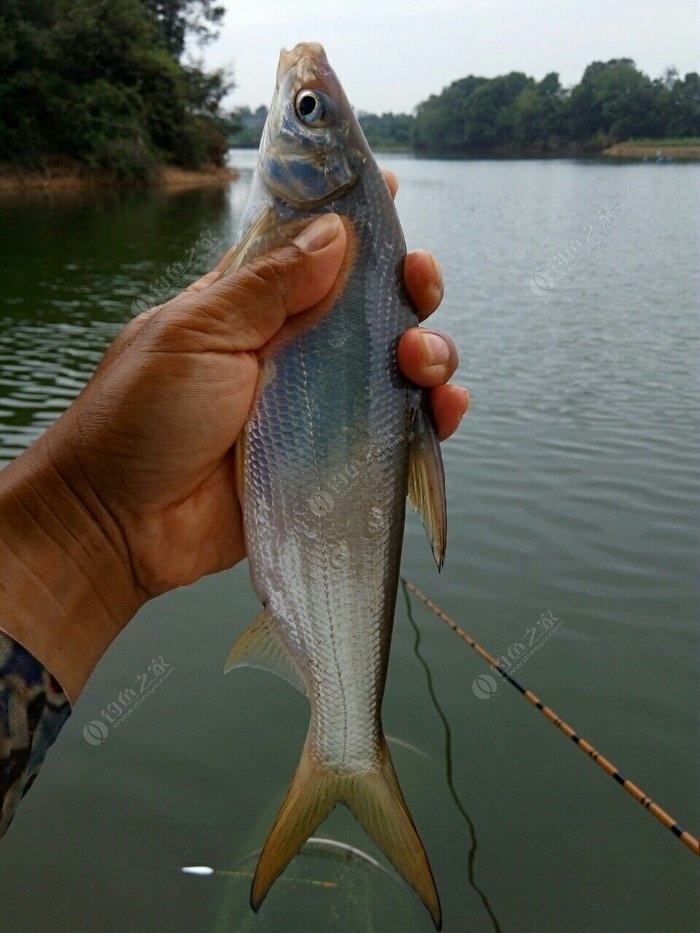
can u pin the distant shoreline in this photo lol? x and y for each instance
(75, 178)
(72, 177)
(648, 149)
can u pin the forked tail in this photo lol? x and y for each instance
(376, 800)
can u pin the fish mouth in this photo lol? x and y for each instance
(302, 164)
(307, 59)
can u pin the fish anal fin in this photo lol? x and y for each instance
(374, 797)
(260, 646)
(426, 482)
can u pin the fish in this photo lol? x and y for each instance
(335, 441)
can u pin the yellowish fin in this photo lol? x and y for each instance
(264, 234)
(260, 646)
(426, 482)
(253, 242)
(374, 797)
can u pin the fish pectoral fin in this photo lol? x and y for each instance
(426, 482)
(260, 646)
(240, 253)
(374, 797)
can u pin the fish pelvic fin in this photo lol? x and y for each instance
(375, 799)
(260, 646)
(426, 482)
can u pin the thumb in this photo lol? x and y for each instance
(244, 310)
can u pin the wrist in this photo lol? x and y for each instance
(66, 587)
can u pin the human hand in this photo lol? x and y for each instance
(427, 357)
(152, 434)
(132, 491)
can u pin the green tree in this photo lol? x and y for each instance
(175, 19)
(93, 80)
(513, 113)
(684, 106)
(388, 131)
(615, 101)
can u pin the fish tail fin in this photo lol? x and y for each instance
(376, 800)
(309, 800)
(374, 797)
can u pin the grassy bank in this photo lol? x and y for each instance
(68, 177)
(651, 148)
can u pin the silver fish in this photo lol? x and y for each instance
(335, 441)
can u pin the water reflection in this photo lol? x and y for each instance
(573, 485)
(72, 266)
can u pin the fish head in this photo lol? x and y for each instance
(312, 146)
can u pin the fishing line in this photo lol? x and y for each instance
(632, 789)
(448, 767)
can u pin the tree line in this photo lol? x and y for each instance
(388, 132)
(513, 114)
(101, 83)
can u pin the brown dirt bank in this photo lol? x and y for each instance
(650, 151)
(75, 178)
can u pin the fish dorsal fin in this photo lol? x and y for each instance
(260, 646)
(426, 482)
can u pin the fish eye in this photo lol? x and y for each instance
(309, 108)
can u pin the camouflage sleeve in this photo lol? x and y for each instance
(33, 708)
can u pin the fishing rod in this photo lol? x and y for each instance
(632, 789)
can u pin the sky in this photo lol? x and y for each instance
(392, 54)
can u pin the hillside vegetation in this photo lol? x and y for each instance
(101, 83)
(515, 114)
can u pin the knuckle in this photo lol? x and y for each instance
(270, 274)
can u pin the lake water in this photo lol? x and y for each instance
(573, 495)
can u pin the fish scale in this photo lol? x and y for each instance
(335, 438)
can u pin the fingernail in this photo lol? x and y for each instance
(319, 233)
(436, 350)
(439, 285)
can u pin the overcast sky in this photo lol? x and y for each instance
(392, 54)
